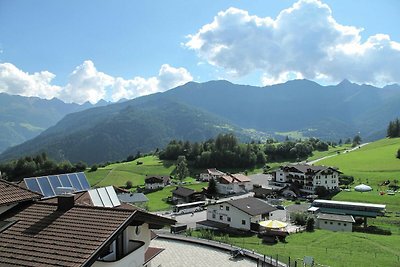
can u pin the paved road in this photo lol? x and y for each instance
(346, 151)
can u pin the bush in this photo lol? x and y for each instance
(398, 153)
(93, 168)
(372, 230)
(206, 234)
(346, 179)
(310, 224)
(300, 218)
(128, 185)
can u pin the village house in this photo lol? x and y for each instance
(307, 177)
(186, 195)
(233, 184)
(152, 182)
(211, 174)
(242, 214)
(57, 231)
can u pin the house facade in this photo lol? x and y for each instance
(307, 177)
(334, 222)
(211, 174)
(182, 195)
(242, 214)
(233, 184)
(156, 181)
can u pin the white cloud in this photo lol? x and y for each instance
(86, 83)
(304, 39)
(16, 82)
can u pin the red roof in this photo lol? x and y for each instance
(12, 193)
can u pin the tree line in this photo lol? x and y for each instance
(393, 129)
(38, 165)
(225, 151)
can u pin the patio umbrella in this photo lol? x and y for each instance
(273, 224)
(363, 188)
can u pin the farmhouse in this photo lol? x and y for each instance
(59, 232)
(307, 177)
(211, 174)
(243, 214)
(186, 195)
(233, 184)
(156, 181)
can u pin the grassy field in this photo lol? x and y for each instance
(119, 173)
(330, 248)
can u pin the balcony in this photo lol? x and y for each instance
(133, 256)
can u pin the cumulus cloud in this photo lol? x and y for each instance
(17, 82)
(86, 83)
(303, 41)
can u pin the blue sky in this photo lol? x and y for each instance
(88, 50)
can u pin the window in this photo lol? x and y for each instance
(339, 223)
(221, 217)
(331, 222)
(228, 219)
(326, 222)
(244, 222)
(221, 207)
(344, 224)
(213, 216)
(227, 208)
(326, 182)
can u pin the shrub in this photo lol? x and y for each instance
(346, 179)
(128, 185)
(93, 168)
(206, 234)
(300, 218)
(310, 224)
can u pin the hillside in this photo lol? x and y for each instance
(22, 118)
(197, 111)
(113, 132)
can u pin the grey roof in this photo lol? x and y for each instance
(304, 168)
(252, 206)
(132, 197)
(336, 217)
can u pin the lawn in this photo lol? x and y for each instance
(329, 152)
(119, 173)
(329, 248)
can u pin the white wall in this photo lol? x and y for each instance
(154, 186)
(280, 215)
(330, 181)
(280, 176)
(334, 225)
(236, 216)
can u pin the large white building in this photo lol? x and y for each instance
(211, 174)
(243, 214)
(233, 184)
(307, 177)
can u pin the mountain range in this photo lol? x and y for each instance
(198, 111)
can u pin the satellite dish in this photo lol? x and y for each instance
(362, 188)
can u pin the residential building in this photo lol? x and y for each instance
(334, 222)
(152, 182)
(307, 177)
(211, 174)
(59, 232)
(242, 214)
(185, 195)
(233, 184)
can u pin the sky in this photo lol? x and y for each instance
(90, 50)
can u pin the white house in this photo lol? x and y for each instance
(334, 222)
(307, 177)
(233, 184)
(243, 214)
(156, 181)
(211, 174)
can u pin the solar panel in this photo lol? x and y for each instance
(113, 196)
(47, 190)
(33, 185)
(84, 182)
(65, 181)
(74, 180)
(94, 196)
(55, 182)
(105, 198)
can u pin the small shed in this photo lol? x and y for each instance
(335, 222)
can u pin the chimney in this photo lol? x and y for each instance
(65, 202)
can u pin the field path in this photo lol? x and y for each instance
(330, 156)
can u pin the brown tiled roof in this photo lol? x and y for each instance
(81, 198)
(45, 236)
(241, 177)
(151, 253)
(12, 193)
(234, 178)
